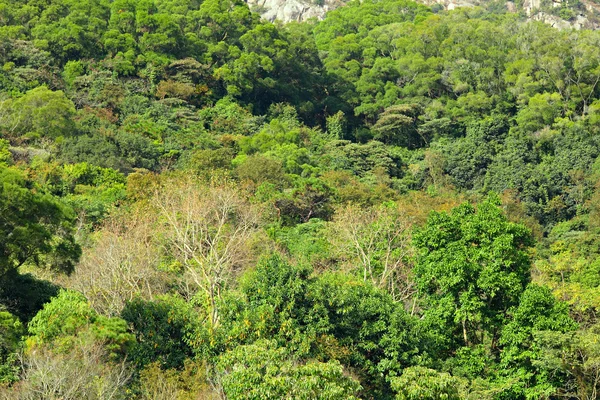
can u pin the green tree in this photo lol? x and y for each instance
(72, 353)
(426, 384)
(471, 268)
(72, 29)
(160, 327)
(467, 159)
(398, 125)
(328, 317)
(367, 330)
(40, 113)
(538, 315)
(35, 229)
(68, 320)
(541, 111)
(573, 356)
(11, 331)
(264, 371)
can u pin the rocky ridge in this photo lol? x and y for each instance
(557, 13)
(293, 10)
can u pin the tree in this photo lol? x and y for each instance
(72, 29)
(361, 159)
(575, 356)
(366, 330)
(331, 316)
(264, 371)
(73, 353)
(35, 229)
(426, 384)
(398, 125)
(259, 169)
(68, 321)
(121, 265)
(273, 304)
(311, 200)
(81, 372)
(160, 327)
(472, 266)
(375, 241)
(467, 159)
(189, 384)
(11, 332)
(208, 229)
(541, 111)
(40, 113)
(524, 356)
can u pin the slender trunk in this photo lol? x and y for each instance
(214, 316)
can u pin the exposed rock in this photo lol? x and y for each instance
(293, 10)
(451, 4)
(551, 20)
(537, 10)
(580, 22)
(531, 6)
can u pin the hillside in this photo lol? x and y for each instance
(393, 202)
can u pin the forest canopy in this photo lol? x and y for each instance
(390, 203)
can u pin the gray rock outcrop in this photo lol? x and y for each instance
(537, 10)
(293, 10)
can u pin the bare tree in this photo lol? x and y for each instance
(122, 264)
(377, 241)
(208, 229)
(81, 373)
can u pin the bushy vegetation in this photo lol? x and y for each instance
(386, 204)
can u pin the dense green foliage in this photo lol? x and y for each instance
(390, 203)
